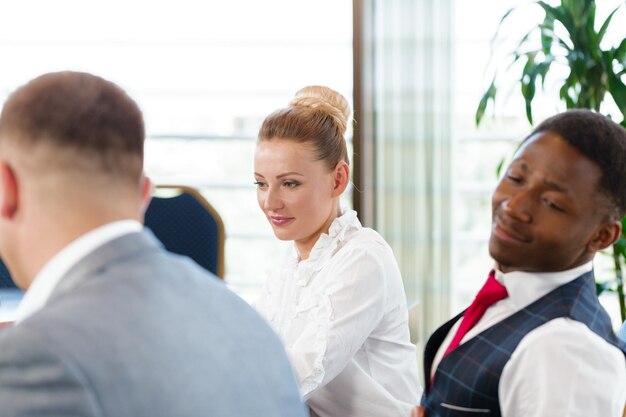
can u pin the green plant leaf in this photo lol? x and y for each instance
(544, 67)
(555, 37)
(564, 94)
(547, 34)
(578, 64)
(603, 286)
(590, 43)
(579, 11)
(499, 167)
(606, 24)
(522, 42)
(620, 52)
(504, 17)
(616, 86)
(575, 7)
(490, 95)
(529, 76)
(620, 246)
(558, 13)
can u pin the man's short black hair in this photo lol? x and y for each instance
(602, 141)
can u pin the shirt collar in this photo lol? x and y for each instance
(53, 271)
(526, 287)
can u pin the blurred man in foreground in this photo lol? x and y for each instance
(111, 325)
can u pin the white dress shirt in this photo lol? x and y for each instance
(342, 315)
(49, 276)
(559, 369)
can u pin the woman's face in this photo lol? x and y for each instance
(298, 194)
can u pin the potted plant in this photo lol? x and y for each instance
(569, 37)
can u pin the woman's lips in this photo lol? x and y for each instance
(281, 220)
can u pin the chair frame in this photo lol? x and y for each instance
(218, 219)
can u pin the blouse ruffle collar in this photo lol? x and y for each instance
(325, 247)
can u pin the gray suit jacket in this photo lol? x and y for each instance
(134, 331)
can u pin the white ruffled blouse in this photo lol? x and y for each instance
(342, 315)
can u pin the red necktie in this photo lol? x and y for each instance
(490, 293)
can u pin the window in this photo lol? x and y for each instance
(205, 74)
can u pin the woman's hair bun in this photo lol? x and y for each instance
(325, 99)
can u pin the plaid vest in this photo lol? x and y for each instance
(467, 379)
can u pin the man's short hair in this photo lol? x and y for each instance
(78, 112)
(599, 139)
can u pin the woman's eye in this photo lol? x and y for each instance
(260, 184)
(291, 184)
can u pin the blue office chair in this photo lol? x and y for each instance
(5, 277)
(187, 224)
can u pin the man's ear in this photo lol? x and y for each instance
(606, 234)
(8, 191)
(341, 178)
(147, 189)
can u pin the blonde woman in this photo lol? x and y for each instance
(337, 300)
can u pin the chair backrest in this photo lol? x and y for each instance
(5, 277)
(187, 224)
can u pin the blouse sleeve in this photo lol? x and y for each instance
(343, 313)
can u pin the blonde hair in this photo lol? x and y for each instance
(317, 115)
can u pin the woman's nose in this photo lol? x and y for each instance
(272, 200)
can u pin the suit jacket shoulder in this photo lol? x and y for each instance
(30, 359)
(132, 330)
